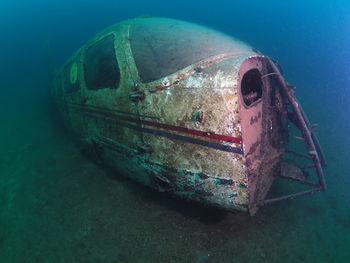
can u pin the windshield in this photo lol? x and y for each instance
(162, 46)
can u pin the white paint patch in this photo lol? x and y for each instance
(194, 81)
(167, 95)
(166, 82)
(233, 117)
(219, 81)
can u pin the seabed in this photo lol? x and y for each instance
(58, 206)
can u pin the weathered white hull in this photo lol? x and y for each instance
(188, 132)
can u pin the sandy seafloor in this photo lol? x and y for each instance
(58, 206)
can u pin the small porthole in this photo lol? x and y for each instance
(251, 86)
(71, 77)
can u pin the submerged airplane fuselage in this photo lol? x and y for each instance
(186, 110)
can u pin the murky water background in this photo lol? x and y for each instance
(57, 206)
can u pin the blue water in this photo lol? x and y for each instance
(57, 207)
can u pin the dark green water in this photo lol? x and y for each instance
(57, 206)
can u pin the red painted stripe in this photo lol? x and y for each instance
(171, 127)
(194, 132)
(186, 130)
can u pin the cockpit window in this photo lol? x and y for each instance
(162, 46)
(101, 67)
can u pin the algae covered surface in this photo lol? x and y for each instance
(56, 205)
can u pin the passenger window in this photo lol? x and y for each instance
(101, 66)
(71, 77)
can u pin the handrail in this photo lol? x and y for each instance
(312, 144)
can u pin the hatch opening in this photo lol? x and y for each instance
(251, 86)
